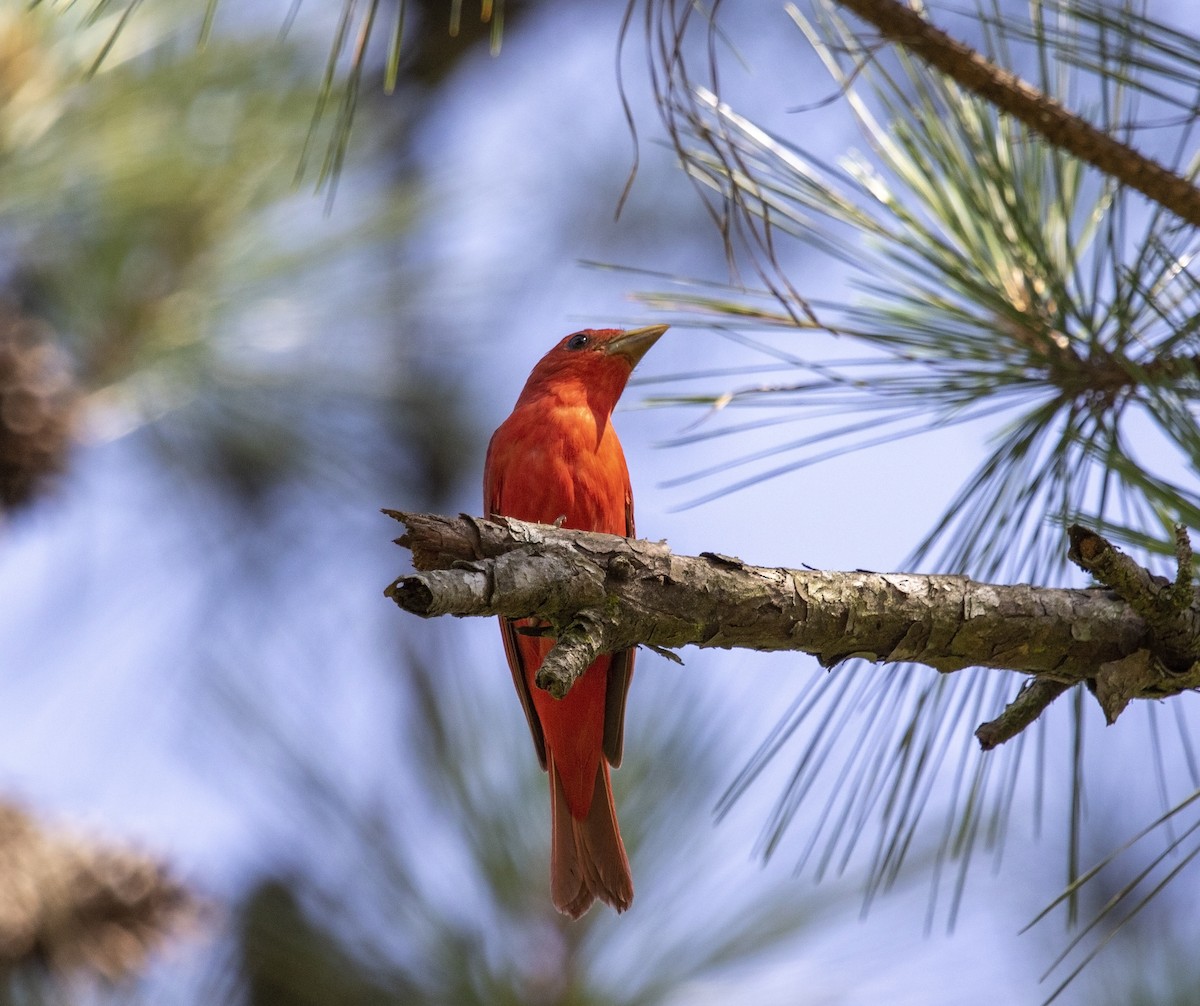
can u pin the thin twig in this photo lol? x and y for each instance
(1020, 99)
(1029, 704)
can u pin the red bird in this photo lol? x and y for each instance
(557, 459)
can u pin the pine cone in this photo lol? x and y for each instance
(72, 904)
(37, 408)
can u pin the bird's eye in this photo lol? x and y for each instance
(577, 341)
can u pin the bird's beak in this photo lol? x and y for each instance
(634, 343)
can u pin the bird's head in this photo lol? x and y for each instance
(628, 345)
(597, 361)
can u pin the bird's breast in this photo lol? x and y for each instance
(562, 462)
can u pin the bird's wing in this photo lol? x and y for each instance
(508, 627)
(516, 664)
(620, 674)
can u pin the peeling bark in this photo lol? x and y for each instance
(599, 593)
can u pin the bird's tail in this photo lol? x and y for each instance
(587, 856)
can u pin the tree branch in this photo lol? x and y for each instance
(1031, 701)
(1170, 609)
(597, 593)
(1041, 113)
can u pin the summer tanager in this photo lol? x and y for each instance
(557, 460)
